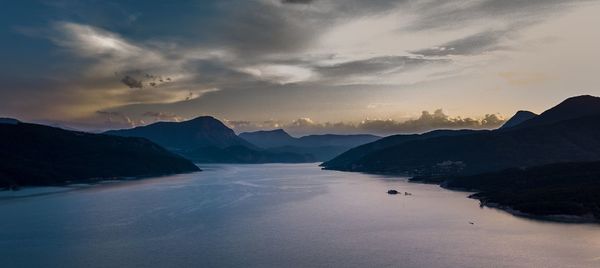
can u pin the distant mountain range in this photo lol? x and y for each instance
(322, 147)
(207, 140)
(563, 133)
(40, 155)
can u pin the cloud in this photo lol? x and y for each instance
(428, 121)
(279, 73)
(132, 82)
(377, 66)
(117, 118)
(89, 41)
(470, 45)
(456, 14)
(282, 57)
(297, 1)
(163, 116)
(425, 122)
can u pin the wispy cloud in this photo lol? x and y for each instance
(286, 58)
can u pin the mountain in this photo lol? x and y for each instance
(337, 140)
(346, 160)
(323, 147)
(570, 108)
(203, 131)
(8, 121)
(518, 118)
(206, 139)
(40, 155)
(269, 138)
(562, 134)
(571, 189)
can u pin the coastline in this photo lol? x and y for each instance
(86, 182)
(559, 218)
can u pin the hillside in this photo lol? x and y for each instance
(322, 147)
(518, 118)
(207, 140)
(40, 155)
(346, 160)
(556, 189)
(560, 134)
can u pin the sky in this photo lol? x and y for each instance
(308, 66)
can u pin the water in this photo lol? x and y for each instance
(277, 216)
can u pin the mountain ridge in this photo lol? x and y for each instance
(41, 155)
(548, 139)
(518, 118)
(206, 139)
(323, 147)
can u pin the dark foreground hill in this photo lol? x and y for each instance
(40, 155)
(207, 140)
(547, 165)
(561, 134)
(571, 189)
(347, 160)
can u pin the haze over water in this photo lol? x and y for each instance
(278, 216)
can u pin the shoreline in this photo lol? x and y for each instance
(87, 182)
(557, 218)
(560, 218)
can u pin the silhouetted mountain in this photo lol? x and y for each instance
(269, 138)
(570, 108)
(206, 139)
(518, 118)
(547, 140)
(556, 189)
(8, 121)
(337, 140)
(40, 155)
(323, 147)
(203, 131)
(346, 160)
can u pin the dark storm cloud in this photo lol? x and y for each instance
(254, 29)
(132, 82)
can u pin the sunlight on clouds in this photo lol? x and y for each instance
(281, 74)
(90, 41)
(330, 60)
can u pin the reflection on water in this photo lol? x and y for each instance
(278, 216)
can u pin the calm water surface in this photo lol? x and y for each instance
(277, 216)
